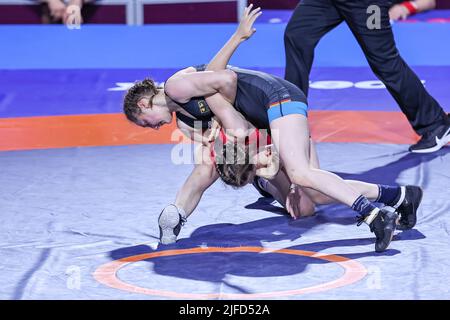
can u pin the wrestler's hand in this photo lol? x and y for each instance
(270, 161)
(293, 201)
(245, 29)
(215, 130)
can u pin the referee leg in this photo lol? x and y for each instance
(309, 22)
(422, 110)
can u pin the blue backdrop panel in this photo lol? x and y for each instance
(165, 46)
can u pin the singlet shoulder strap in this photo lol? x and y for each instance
(190, 121)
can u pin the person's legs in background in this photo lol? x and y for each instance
(424, 113)
(310, 21)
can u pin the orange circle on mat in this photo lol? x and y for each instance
(107, 273)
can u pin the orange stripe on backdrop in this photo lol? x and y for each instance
(114, 130)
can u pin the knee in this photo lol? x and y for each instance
(295, 36)
(388, 70)
(289, 32)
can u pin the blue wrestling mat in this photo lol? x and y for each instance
(67, 216)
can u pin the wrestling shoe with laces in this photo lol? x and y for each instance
(408, 207)
(383, 226)
(170, 222)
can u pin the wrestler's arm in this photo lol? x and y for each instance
(218, 88)
(424, 5)
(184, 71)
(244, 31)
(201, 178)
(405, 9)
(184, 86)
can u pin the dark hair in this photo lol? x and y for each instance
(239, 172)
(141, 89)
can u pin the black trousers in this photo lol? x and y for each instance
(312, 19)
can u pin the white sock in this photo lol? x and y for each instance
(402, 197)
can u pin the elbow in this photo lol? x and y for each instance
(229, 78)
(232, 77)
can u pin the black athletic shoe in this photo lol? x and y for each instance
(408, 208)
(383, 226)
(170, 222)
(432, 141)
(256, 183)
